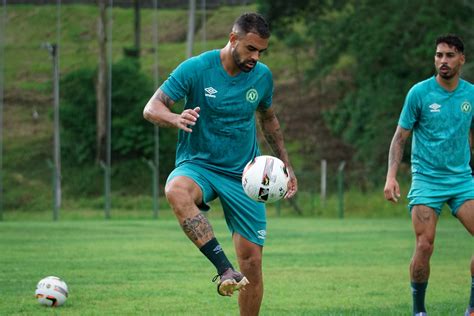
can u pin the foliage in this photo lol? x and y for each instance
(78, 116)
(132, 136)
(391, 44)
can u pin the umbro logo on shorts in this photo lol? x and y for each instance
(210, 92)
(261, 234)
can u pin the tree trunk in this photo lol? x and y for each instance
(101, 86)
(191, 27)
(136, 6)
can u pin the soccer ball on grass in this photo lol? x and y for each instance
(51, 291)
(265, 179)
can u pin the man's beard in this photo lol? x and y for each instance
(242, 65)
(448, 74)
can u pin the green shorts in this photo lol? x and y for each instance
(242, 214)
(435, 198)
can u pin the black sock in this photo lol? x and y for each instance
(418, 291)
(214, 252)
(471, 301)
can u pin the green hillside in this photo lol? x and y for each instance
(28, 65)
(28, 103)
(28, 93)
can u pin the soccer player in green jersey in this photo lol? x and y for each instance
(438, 111)
(224, 90)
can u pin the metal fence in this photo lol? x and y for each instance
(211, 4)
(317, 187)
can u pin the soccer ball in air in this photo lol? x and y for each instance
(51, 291)
(265, 179)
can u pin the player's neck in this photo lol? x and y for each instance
(448, 84)
(228, 62)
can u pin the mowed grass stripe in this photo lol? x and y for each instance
(311, 267)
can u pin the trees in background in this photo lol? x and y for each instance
(381, 47)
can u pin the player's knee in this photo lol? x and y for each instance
(251, 263)
(425, 246)
(176, 194)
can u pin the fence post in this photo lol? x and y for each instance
(154, 180)
(323, 182)
(340, 186)
(106, 188)
(54, 185)
(3, 24)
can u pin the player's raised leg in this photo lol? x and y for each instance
(466, 217)
(249, 256)
(184, 195)
(424, 224)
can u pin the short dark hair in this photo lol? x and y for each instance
(451, 40)
(252, 23)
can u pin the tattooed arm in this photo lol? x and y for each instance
(395, 155)
(272, 133)
(158, 111)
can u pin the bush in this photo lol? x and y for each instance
(132, 136)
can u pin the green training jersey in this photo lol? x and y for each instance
(440, 121)
(224, 137)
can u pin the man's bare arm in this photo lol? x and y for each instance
(272, 133)
(395, 155)
(158, 111)
(274, 137)
(397, 148)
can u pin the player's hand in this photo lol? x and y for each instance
(292, 183)
(391, 190)
(187, 119)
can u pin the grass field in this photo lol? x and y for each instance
(146, 267)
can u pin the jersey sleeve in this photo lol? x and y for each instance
(411, 109)
(180, 81)
(267, 98)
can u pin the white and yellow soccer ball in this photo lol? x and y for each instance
(51, 291)
(265, 179)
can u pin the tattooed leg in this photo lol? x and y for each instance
(198, 229)
(184, 195)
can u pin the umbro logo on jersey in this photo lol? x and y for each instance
(210, 92)
(435, 107)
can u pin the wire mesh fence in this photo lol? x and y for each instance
(30, 167)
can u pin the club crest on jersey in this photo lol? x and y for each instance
(466, 107)
(435, 107)
(252, 95)
(210, 92)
